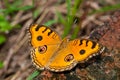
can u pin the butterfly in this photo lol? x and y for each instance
(51, 52)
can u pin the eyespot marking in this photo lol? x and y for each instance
(69, 58)
(82, 51)
(42, 49)
(39, 38)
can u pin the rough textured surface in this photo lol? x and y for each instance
(111, 39)
(15, 52)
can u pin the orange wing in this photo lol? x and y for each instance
(44, 42)
(84, 49)
(42, 35)
(75, 51)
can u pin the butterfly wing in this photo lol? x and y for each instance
(42, 35)
(75, 51)
(84, 49)
(44, 42)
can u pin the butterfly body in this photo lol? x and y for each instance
(52, 53)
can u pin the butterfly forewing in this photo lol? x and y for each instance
(42, 35)
(84, 49)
